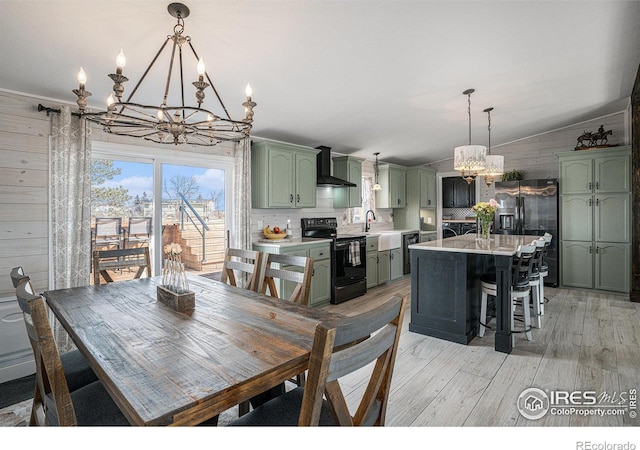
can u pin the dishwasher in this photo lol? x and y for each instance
(407, 240)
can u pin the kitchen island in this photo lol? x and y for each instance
(445, 286)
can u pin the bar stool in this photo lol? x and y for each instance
(536, 282)
(544, 269)
(520, 290)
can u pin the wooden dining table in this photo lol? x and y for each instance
(164, 367)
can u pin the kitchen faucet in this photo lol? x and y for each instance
(367, 226)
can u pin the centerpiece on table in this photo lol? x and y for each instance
(485, 212)
(174, 291)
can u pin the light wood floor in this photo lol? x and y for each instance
(589, 341)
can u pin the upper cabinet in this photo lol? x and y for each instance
(421, 196)
(282, 175)
(585, 173)
(392, 179)
(457, 193)
(350, 169)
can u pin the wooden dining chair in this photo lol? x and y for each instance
(76, 368)
(105, 260)
(339, 348)
(54, 403)
(292, 269)
(246, 263)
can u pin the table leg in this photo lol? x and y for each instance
(503, 339)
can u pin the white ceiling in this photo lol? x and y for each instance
(358, 76)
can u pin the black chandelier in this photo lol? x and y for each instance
(164, 123)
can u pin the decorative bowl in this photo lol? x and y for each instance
(274, 235)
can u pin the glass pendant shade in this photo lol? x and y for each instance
(377, 187)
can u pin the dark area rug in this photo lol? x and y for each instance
(16, 391)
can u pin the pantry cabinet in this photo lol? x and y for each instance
(595, 218)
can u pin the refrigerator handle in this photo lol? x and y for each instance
(522, 213)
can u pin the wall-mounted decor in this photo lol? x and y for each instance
(589, 140)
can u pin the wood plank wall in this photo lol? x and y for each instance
(537, 155)
(24, 179)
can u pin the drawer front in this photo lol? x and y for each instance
(319, 253)
(372, 245)
(302, 253)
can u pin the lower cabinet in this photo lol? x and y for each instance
(384, 266)
(396, 263)
(599, 265)
(372, 269)
(426, 237)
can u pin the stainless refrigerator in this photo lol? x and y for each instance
(530, 207)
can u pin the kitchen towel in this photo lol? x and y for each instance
(354, 253)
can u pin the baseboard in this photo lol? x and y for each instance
(18, 370)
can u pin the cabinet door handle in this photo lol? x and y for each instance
(298, 198)
(313, 272)
(597, 185)
(428, 202)
(589, 186)
(597, 202)
(290, 198)
(597, 249)
(590, 249)
(590, 202)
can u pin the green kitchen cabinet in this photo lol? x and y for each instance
(595, 219)
(428, 193)
(372, 261)
(595, 171)
(421, 194)
(320, 294)
(577, 264)
(611, 260)
(392, 180)
(384, 266)
(350, 169)
(396, 264)
(283, 175)
(601, 265)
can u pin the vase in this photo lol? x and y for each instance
(174, 290)
(484, 228)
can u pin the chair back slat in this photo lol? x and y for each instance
(301, 275)
(246, 262)
(108, 226)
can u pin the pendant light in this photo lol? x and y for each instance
(494, 163)
(469, 159)
(377, 187)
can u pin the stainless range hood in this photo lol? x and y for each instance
(324, 170)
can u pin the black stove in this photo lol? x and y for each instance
(348, 257)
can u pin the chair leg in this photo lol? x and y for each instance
(541, 297)
(483, 314)
(535, 301)
(527, 316)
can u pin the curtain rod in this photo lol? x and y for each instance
(48, 110)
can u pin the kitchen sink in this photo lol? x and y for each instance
(389, 240)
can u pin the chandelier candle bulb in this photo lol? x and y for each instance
(121, 61)
(200, 68)
(248, 91)
(82, 78)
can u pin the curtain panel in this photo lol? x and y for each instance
(70, 187)
(241, 234)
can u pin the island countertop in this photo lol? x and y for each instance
(500, 244)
